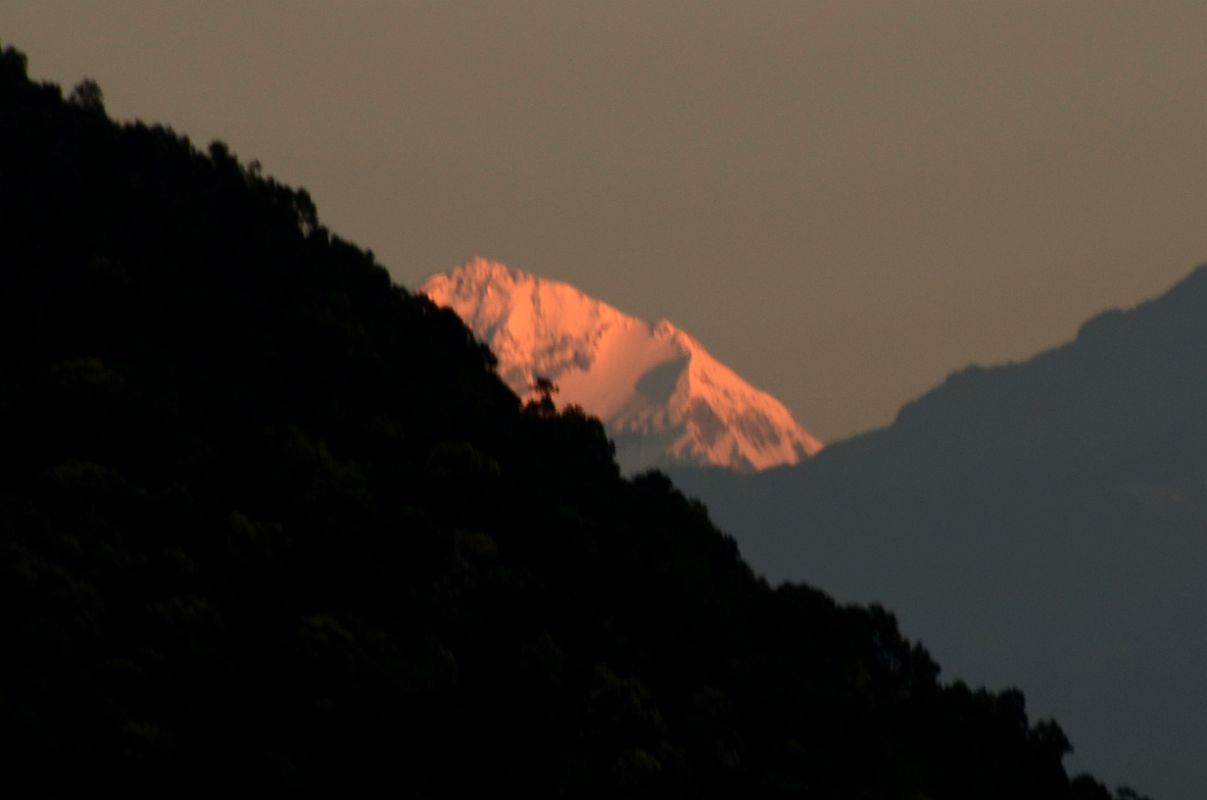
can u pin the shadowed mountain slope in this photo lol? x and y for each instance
(268, 521)
(1042, 523)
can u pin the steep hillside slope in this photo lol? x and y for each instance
(662, 397)
(269, 522)
(1042, 523)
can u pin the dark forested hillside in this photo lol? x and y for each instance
(270, 523)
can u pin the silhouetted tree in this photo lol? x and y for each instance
(544, 389)
(87, 95)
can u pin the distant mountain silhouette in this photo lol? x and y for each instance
(1042, 524)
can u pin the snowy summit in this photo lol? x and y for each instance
(664, 400)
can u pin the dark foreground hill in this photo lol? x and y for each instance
(1041, 524)
(271, 524)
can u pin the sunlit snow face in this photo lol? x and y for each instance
(663, 397)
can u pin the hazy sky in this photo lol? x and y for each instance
(843, 201)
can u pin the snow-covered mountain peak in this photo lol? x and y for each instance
(664, 399)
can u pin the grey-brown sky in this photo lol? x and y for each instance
(844, 201)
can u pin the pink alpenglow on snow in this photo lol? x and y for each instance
(664, 400)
